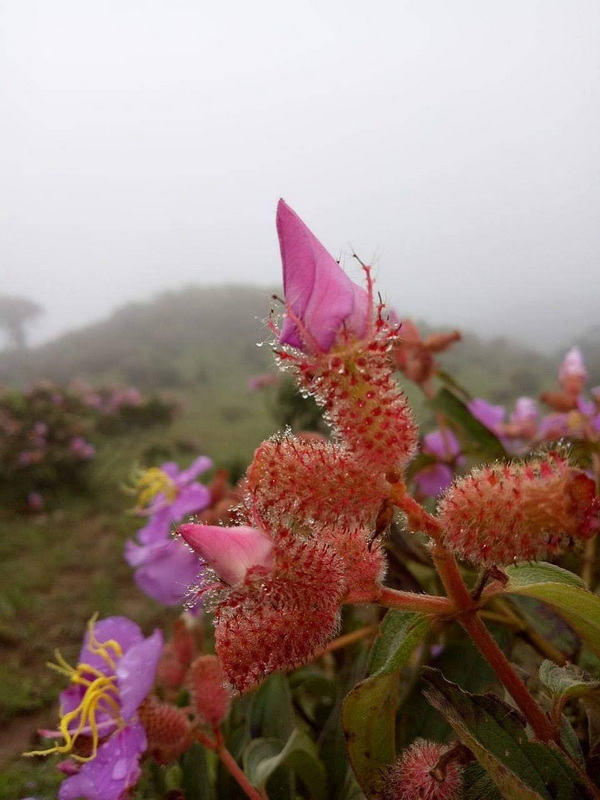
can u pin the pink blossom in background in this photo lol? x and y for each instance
(489, 415)
(257, 382)
(572, 373)
(318, 293)
(433, 479)
(35, 501)
(82, 448)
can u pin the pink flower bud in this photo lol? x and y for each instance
(320, 297)
(415, 775)
(231, 552)
(518, 512)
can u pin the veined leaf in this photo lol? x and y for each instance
(495, 734)
(564, 592)
(567, 681)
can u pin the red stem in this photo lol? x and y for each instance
(541, 725)
(218, 746)
(465, 608)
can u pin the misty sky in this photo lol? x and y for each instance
(144, 144)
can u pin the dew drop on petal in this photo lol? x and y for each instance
(120, 769)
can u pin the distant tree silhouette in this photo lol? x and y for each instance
(15, 314)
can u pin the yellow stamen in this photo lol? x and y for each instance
(150, 483)
(100, 696)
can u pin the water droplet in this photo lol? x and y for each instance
(120, 769)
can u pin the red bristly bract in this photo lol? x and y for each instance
(517, 512)
(354, 384)
(167, 728)
(411, 776)
(300, 481)
(277, 621)
(210, 698)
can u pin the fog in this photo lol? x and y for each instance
(452, 144)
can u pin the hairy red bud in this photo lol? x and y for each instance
(211, 700)
(167, 728)
(518, 512)
(415, 777)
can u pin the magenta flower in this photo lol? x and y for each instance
(230, 552)
(489, 415)
(114, 674)
(164, 566)
(320, 298)
(442, 445)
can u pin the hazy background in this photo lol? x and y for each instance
(144, 144)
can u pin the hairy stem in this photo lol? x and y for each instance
(410, 601)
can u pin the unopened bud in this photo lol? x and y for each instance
(168, 729)
(518, 512)
(211, 700)
(416, 774)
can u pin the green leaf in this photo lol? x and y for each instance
(567, 681)
(540, 572)
(548, 624)
(369, 710)
(453, 384)
(459, 661)
(264, 756)
(196, 773)
(272, 712)
(399, 634)
(564, 592)
(495, 734)
(456, 411)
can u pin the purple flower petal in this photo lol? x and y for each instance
(164, 570)
(316, 288)
(158, 528)
(554, 426)
(121, 629)
(190, 499)
(442, 444)
(526, 410)
(432, 480)
(200, 465)
(136, 672)
(489, 415)
(114, 770)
